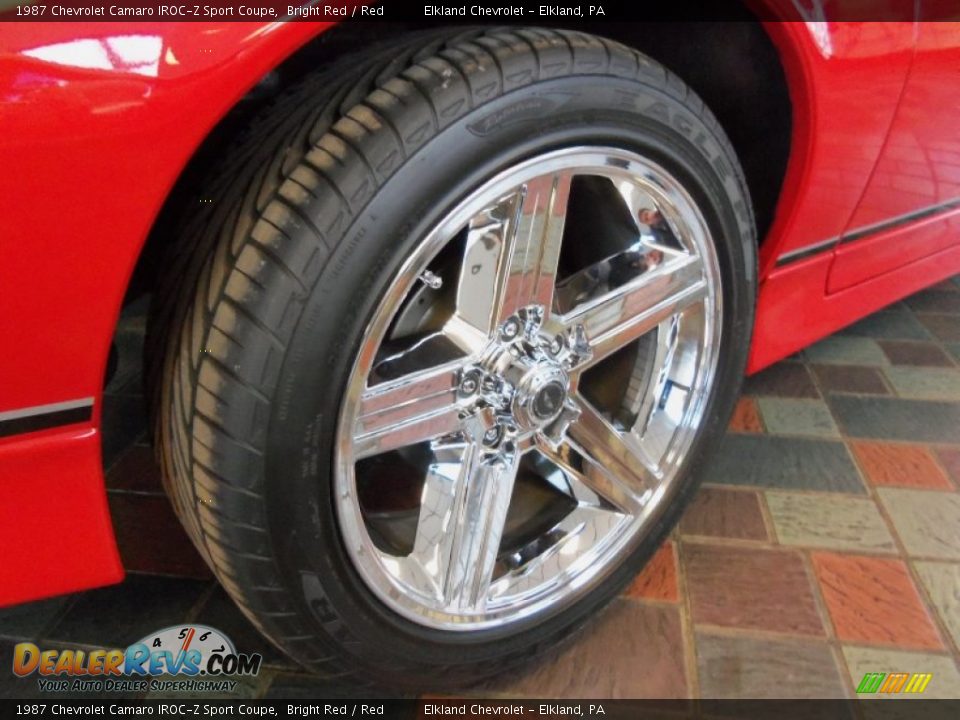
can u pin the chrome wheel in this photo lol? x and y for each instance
(528, 390)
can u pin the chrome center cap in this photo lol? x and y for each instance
(540, 396)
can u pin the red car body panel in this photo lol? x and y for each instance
(89, 155)
(100, 119)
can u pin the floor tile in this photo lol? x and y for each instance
(899, 465)
(633, 650)
(779, 462)
(934, 301)
(948, 285)
(846, 350)
(784, 416)
(850, 379)
(872, 600)
(137, 470)
(746, 667)
(122, 614)
(658, 581)
(925, 383)
(927, 522)
(950, 460)
(221, 612)
(785, 379)
(823, 521)
(757, 589)
(942, 583)
(746, 417)
(716, 512)
(895, 323)
(27, 621)
(945, 682)
(954, 349)
(151, 539)
(906, 352)
(896, 418)
(944, 327)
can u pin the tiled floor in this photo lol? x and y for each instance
(824, 544)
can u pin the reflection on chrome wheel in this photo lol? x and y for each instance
(528, 390)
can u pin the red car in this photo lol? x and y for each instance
(444, 319)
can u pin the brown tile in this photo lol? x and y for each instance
(746, 417)
(899, 465)
(745, 667)
(716, 512)
(750, 588)
(945, 327)
(909, 352)
(136, 470)
(873, 600)
(785, 379)
(850, 379)
(950, 460)
(658, 581)
(634, 650)
(934, 301)
(946, 286)
(151, 539)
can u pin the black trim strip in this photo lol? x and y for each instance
(900, 220)
(805, 252)
(45, 420)
(860, 233)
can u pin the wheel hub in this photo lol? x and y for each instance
(522, 385)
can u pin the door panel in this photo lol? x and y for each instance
(904, 214)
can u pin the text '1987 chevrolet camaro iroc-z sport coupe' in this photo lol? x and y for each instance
(444, 319)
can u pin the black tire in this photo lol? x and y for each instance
(269, 287)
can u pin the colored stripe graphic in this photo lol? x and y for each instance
(894, 683)
(871, 682)
(918, 683)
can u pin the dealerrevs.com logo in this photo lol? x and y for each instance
(187, 657)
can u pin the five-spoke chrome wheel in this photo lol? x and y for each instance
(528, 391)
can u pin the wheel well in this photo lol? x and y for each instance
(733, 66)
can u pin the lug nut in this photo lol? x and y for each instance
(491, 436)
(470, 383)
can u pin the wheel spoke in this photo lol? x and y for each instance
(413, 408)
(462, 517)
(511, 256)
(634, 309)
(535, 249)
(590, 480)
(574, 538)
(619, 468)
(486, 255)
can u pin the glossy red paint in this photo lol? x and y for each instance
(851, 167)
(919, 166)
(100, 119)
(845, 80)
